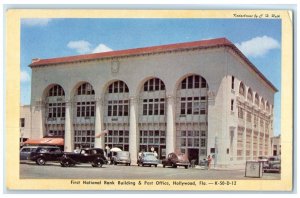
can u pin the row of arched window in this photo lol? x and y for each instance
(261, 103)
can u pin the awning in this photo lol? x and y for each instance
(46, 141)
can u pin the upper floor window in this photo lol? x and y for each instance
(154, 84)
(268, 107)
(250, 95)
(232, 82)
(85, 89)
(22, 122)
(262, 104)
(193, 82)
(118, 87)
(256, 100)
(242, 89)
(56, 90)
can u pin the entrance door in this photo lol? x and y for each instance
(193, 154)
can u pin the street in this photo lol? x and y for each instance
(29, 170)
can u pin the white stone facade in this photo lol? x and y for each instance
(188, 99)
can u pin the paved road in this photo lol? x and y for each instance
(29, 170)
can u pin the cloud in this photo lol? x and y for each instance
(84, 47)
(36, 22)
(258, 46)
(80, 46)
(102, 48)
(25, 77)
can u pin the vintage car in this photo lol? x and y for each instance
(46, 153)
(121, 157)
(148, 158)
(175, 160)
(25, 151)
(273, 165)
(95, 156)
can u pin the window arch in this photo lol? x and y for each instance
(116, 115)
(250, 95)
(118, 87)
(242, 89)
(268, 107)
(55, 111)
(256, 100)
(85, 89)
(152, 114)
(262, 104)
(84, 116)
(193, 82)
(56, 90)
(191, 115)
(153, 103)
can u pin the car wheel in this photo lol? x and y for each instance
(129, 164)
(115, 163)
(143, 165)
(68, 163)
(97, 163)
(186, 167)
(164, 166)
(40, 161)
(155, 165)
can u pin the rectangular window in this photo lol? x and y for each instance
(232, 82)
(182, 111)
(162, 109)
(22, 122)
(231, 106)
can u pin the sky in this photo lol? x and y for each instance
(258, 39)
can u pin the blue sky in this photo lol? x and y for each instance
(258, 39)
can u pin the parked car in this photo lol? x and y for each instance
(25, 151)
(148, 158)
(95, 156)
(175, 160)
(273, 165)
(46, 153)
(121, 157)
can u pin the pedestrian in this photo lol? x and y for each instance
(155, 154)
(208, 162)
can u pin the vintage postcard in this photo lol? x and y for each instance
(154, 100)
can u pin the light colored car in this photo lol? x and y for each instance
(148, 158)
(26, 150)
(121, 157)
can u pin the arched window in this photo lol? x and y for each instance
(118, 87)
(242, 89)
(250, 95)
(268, 107)
(116, 115)
(83, 116)
(55, 111)
(56, 90)
(85, 89)
(256, 100)
(153, 104)
(262, 104)
(191, 115)
(152, 114)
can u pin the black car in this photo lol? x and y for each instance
(95, 156)
(46, 153)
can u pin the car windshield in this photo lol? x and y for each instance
(148, 154)
(150, 157)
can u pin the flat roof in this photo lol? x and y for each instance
(218, 42)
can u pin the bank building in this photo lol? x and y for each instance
(199, 98)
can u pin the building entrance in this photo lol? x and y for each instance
(193, 154)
